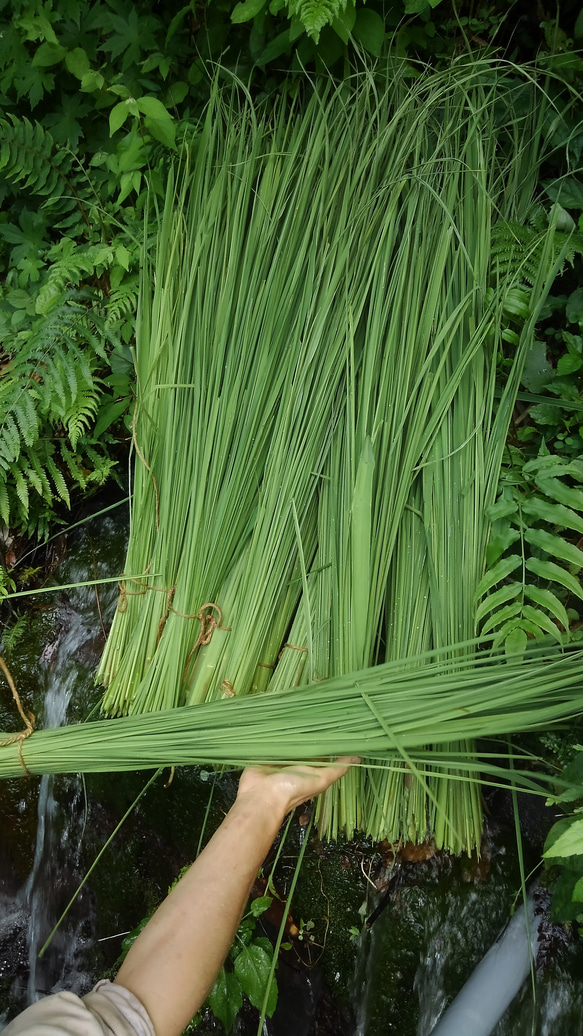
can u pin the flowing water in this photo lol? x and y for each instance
(55, 872)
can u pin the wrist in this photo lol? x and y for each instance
(267, 802)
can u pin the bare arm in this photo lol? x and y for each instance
(173, 963)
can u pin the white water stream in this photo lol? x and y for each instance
(59, 827)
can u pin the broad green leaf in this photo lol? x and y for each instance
(563, 908)
(555, 574)
(163, 130)
(77, 62)
(546, 465)
(274, 49)
(504, 633)
(226, 999)
(343, 24)
(570, 843)
(91, 81)
(538, 372)
(503, 507)
(253, 968)
(546, 413)
(496, 574)
(556, 546)
(515, 644)
(562, 219)
(568, 190)
(416, 6)
(369, 29)
(516, 303)
(574, 309)
(48, 54)
(109, 413)
(176, 93)
(244, 12)
(554, 514)
(541, 619)
(118, 116)
(260, 905)
(547, 599)
(568, 364)
(574, 343)
(505, 593)
(578, 892)
(177, 22)
(153, 107)
(500, 540)
(557, 490)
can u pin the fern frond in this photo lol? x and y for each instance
(122, 303)
(34, 480)
(21, 488)
(29, 158)
(315, 14)
(12, 635)
(26, 418)
(4, 502)
(72, 465)
(9, 439)
(58, 479)
(42, 475)
(82, 415)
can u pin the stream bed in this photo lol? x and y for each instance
(436, 916)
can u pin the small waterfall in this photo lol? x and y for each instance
(55, 872)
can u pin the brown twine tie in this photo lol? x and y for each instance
(28, 720)
(208, 623)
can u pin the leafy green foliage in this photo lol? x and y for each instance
(564, 846)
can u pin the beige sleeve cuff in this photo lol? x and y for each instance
(109, 1010)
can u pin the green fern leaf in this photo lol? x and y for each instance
(315, 14)
(71, 461)
(509, 612)
(557, 490)
(34, 480)
(4, 503)
(541, 620)
(554, 514)
(547, 599)
(59, 481)
(556, 546)
(555, 574)
(41, 473)
(21, 489)
(82, 417)
(9, 439)
(12, 635)
(27, 419)
(28, 158)
(501, 596)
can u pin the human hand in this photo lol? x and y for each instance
(285, 787)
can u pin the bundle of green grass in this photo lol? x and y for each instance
(318, 439)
